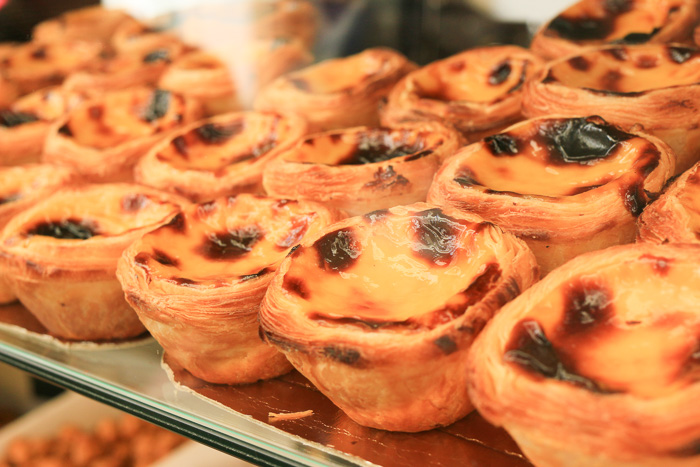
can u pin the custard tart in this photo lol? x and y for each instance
(339, 92)
(33, 66)
(675, 216)
(600, 22)
(21, 187)
(362, 169)
(596, 365)
(93, 23)
(379, 311)
(138, 39)
(202, 76)
(654, 85)
(60, 256)
(25, 125)
(478, 92)
(219, 156)
(564, 185)
(102, 138)
(197, 282)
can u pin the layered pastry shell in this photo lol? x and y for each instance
(340, 92)
(221, 155)
(564, 185)
(590, 23)
(596, 365)
(197, 282)
(379, 311)
(21, 187)
(675, 216)
(204, 77)
(60, 256)
(654, 85)
(102, 138)
(478, 91)
(362, 169)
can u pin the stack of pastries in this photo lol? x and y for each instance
(381, 226)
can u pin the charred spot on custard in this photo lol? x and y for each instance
(638, 37)
(10, 197)
(338, 250)
(180, 145)
(681, 55)
(158, 105)
(531, 350)
(231, 244)
(446, 344)
(378, 147)
(65, 130)
(134, 202)
(39, 53)
(377, 216)
(465, 178)
(386, 178)
(580, 140)
(67, 229)
(342, 355)
(9, 118)
(301, 84)
(588, 28)
(177, 223)
(211, 133)
(579, 63)
(248, 277)
(436, 236)
(96, 112)
(500, 73)
(588, 305)
(502, 145)
(164, 259)
(158, 55)
(297, 286)
(635, 199)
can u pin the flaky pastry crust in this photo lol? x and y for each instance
(478, 91)
(60, 256)
(221, 155)
(379, 311)
(564, 185)
(675, 216)
(600, 22)
(655, 85)
(337, 93)
(596, 365)
(102, 138)
(363, 169)
(197, 282)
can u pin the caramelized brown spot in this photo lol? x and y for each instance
(164, 259)
(177, 223)
(502, 145)
(296, 286)
(65, 130)
(68, 229)
(386, 178)
(579, 63)
(466, 178)
(260, 273)
(158, 106)
(530, 350)
(635, 200)
(660, 265)
(446, 344)
(141, 260)
(211, 133)
(376, 216)
(343, 355)
(39, 53)
(378, 147)
(637, 37)
(159, 55)
(134, 202)
(500, 73)
(338, 250)
(681, 55)
(10, 197)
(611, 81)
(301, 84)
(9, 118)
(618, 53)
(180, 145)
(436, 236)
(231, 244)
(588, 305)
(96, 112)
(419, 155)
(647, 61)
(457, 67)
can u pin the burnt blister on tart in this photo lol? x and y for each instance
(611, 332)
(220, 156)
(362, 169)
(475, 91)
(217, 258)
(564, 185)
(378, 309)
(598, 22)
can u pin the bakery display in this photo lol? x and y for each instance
(20, 187)
(379, 311)
(197, 282)
(337, 93)
(564, 185)
(60, 256)
(221, 155)
(478, 91)
(596, 365)
(653, 85)
(102, 138)
(599, 22)
(675, 216)
(362, 169)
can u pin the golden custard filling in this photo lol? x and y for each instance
(225, 241)
(629, 69)
(607, 21)
(18, 182)
(365, 146)
(389, 268)
(340, 74)
(628, 328)
(219, 145)
(95, 212)
(121, 116)
(484, 77)
(46, 104)
(556, 157)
